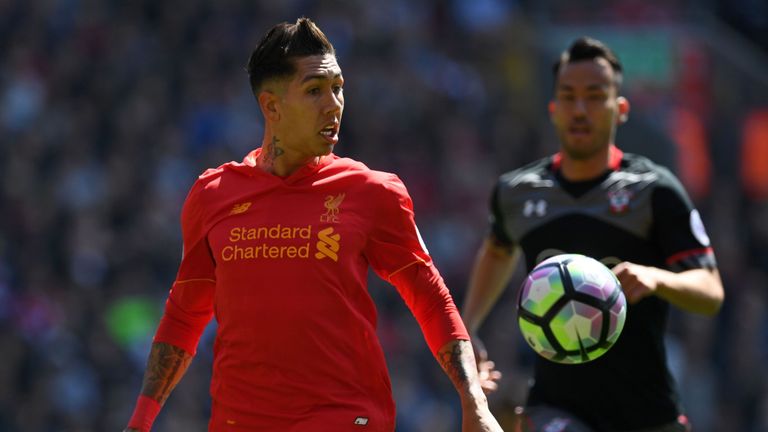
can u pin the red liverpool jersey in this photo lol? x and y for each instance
(282, 264)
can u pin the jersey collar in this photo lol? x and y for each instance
(248, 167)
(615, 155)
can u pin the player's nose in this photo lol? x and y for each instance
(580, 107)
(334, 104)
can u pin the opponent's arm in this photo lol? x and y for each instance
(165, 368)
(494, 265)
(695, 284)
(696, 290)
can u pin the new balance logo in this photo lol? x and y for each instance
(327, 244)
(361, 421)
(240, 208)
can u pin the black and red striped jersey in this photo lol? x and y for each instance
(636, 211)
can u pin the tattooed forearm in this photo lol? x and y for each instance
(165, 367)
(458, 361)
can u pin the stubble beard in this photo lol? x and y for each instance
(583, 150)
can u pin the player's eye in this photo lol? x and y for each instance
(596, 97)
(314, 91)
(337, 89)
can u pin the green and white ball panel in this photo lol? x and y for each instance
(590, 278)
(536, 338)
(577, 326)
(563, 306)
(617, 314)
(542, 289)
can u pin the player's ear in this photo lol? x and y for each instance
(623, 104)
(551, 108)
(268, 102)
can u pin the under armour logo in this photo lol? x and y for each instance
(535, 207)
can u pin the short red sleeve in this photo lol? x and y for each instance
(394, 242)
(190, 304)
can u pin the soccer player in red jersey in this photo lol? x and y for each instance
(277, 248)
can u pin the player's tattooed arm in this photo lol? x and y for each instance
(458, 362)
(165, 367)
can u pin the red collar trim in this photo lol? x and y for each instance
(615, 155)
(248, 166)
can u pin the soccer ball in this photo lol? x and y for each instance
(571, 309)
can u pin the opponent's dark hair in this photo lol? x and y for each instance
(275, 54)
(587, 48)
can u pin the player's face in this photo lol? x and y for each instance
(311, 107)
(586, 108)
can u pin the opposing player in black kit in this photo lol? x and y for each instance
(622, 209)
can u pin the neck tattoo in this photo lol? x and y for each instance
(271, 152)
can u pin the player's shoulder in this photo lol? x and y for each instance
(347, 166)
(211, 177)
(657, 174)
(209, 185)
(202, 192)
(381, 187)
(533, 174)
(636, 163)
(210, 174)
(363, 174)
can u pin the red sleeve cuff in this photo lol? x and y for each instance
(144, 414)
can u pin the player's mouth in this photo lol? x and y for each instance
(579, 130)
(331, 133)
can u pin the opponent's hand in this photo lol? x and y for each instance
(637, 281)
(486, 373)
(488, 376)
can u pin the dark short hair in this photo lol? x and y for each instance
(587, 48)
(274, 55)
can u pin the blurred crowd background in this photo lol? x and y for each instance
(110, 109)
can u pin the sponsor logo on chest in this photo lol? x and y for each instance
(280, 241)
